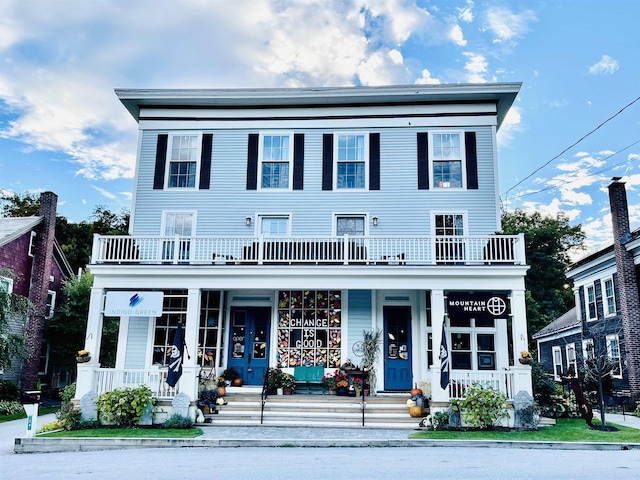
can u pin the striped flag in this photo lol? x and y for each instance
(444, 359)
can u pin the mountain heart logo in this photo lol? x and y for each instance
(135, 300)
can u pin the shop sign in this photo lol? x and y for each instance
(134, 304)
(479, 305)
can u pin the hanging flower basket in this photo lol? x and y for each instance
(83, 356)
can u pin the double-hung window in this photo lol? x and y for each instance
(590, 298)
(609, 297)
(556, 354)
(613, 352)
(572, 363)
(276, 157)
(447, 159)
(588, 350)
(446, 228)
(183, 155)
(352, 158)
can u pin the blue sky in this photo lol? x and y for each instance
(63, 129)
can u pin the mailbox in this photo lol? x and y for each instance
(30, 396)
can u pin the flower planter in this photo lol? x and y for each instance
(525, 360)
(83, 359)
(342, 391)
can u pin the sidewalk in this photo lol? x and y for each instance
(260, 436)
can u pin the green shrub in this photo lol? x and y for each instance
(483, 406)
(124, 406)
(9, 408)
(68, 392)
(440, 420)
(178, 421)
(9, 391)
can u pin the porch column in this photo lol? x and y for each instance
(437, 317)
(87, 371)
(521, 373)
(190, 368)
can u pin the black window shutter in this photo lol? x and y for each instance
(584, 306)
(205, 161)
(472, 160)
(423, 161)
(374, 161)
(298, 161)
(327, 161)
(252, 162)
(161, 161)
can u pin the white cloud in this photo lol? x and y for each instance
(476, 67)
(466, 13)
(510, 126)
(606, 65)
(456, 35)
(427, 79)
(506, 26)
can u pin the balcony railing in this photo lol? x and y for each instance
(346, 250)
(459, 382)
(108, 379)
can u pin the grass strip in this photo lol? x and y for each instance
(18, 416)
(565, 430)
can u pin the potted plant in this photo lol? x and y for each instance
(357, 385)
(272, 380)
(525, 358)
(329, 382)
(342, 382)
(287, 382)
(232, 377)
(83, 356)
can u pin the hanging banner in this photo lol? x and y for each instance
(133, 304)
(479, 305)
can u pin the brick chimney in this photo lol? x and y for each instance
(40, 273)
(627, 283)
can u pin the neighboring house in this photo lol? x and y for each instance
(22, 256)
(596, 326)
(280, 224)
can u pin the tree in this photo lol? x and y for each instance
(548, 242)
(67, 329)
(20, 205)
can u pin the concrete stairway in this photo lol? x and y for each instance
(381, 411)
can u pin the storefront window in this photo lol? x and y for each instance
(210, 324)
(309, 328)
(174, 310)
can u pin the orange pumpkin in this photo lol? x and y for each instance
(415, 390)
(415, 411)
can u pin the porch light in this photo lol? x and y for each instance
(375, 221)
(248, 221)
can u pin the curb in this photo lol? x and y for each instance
(50, 445)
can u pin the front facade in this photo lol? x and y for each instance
(279, 225)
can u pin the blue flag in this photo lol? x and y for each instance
(444, 359)
(175, 361)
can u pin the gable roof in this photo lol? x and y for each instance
(14, 227)
(563, 322)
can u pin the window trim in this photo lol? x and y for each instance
(261, 216)
(32, 244)
(336, 215)
(433, 160)
(557, 349)
(571, 347)
(587, 302)
(52, 305)
(261, 160)
(198, 160)
(585, 350)
(618, 358)
(9, 282)
(336, 161)
(606, 298)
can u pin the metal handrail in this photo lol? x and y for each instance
(265, 393)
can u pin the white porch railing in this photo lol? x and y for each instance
(459, 382)
(108, 379)
(346, 250)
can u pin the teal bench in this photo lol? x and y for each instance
(309, 379)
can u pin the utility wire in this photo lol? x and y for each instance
(573, 145)
(597, 172)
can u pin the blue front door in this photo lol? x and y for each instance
(397, 348)
(249, 343)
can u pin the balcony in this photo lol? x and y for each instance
(346, 250)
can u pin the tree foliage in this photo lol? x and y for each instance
(11, 343)
(66, 330)
(548, 244)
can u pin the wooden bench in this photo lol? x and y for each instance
(309, 378)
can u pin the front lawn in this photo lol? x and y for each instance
(565, 430)
(127, 433)
(18, 416)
